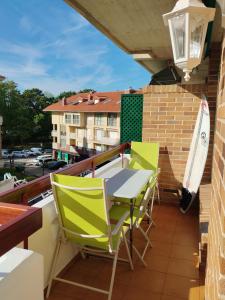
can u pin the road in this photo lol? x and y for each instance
(30, 168)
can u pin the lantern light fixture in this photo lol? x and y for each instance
(188, 23)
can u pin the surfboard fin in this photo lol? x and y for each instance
(186, 200)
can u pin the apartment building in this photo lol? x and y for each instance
(1, 121)
(86, 123)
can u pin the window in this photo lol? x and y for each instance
(54, 139)
(98, 119)
(112, 134)
(68, 118)
(63, 143)
(62, 130)
(54, 126)
(112, 119)
(99, 134)
(76, 119)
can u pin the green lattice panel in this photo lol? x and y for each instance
(131, 118)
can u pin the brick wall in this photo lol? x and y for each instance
(169, 117)
(215, 274)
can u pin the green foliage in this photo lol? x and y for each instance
(87, 91)
(65, 94)
(23, 116)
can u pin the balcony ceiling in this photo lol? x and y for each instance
(136, 27)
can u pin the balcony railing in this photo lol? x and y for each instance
(108, 141)
(54, 132)
(34, 188)
(73, 135)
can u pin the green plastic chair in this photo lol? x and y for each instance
(144, 156)
(139, 213)
(84, 219)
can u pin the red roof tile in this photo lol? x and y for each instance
(108, 102)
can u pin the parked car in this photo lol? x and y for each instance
(37, 151)
(19, 154)
(46, 161)
(29, 152)
(57, 164)
(38, 160)
(5, 153)
(48, 151)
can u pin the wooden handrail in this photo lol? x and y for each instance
(22, 194)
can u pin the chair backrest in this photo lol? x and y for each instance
(83, 211)
(144, 156)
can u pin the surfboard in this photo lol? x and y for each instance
(197, 157)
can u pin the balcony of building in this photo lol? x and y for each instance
(54, 133)
(172, 263)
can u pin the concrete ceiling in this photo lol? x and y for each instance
(137, 27)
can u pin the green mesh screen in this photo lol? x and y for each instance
(131, 118)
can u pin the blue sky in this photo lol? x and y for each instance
(46, 44)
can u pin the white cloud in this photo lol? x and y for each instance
(69, 58)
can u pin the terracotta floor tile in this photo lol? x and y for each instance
(185, 239)
(142, 294)
(178, 286)
(147, 279)
(161, 235)
(184, 252)
(160, 249)
(170, 272)
(157, 263)
(183, 267)
(166, 297)
(168, 226)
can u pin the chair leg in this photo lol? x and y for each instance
(138, 254)
(158, 196)
(128, 251)
(52, 272)
(147, 239)
(113, 272)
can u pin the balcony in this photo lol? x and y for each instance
(73, 135)
(171, 271)
(54, 133)
(107, 141)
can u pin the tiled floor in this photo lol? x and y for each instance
(171, 272)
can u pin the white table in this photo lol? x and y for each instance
(126, 183)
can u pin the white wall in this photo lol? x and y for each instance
(21, 275)
(44, 240)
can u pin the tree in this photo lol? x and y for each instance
(11, 108)
(87, 91)
(65, 94)
(40, 122)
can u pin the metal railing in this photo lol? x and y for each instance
(22, 194)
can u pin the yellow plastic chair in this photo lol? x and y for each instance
(145, 156)
(84, 219)
(139, 213)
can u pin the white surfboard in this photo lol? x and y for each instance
(197, 157)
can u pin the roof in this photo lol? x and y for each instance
(89, 102)
(137, 27)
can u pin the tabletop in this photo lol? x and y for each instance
(126, 183)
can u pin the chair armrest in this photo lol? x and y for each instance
(119, 224)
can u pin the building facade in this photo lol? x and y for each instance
(1, 121)
(85, 123)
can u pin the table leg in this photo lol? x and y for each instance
(131, 226)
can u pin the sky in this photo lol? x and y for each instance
(46, 44)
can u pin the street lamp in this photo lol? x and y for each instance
(188, 22)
